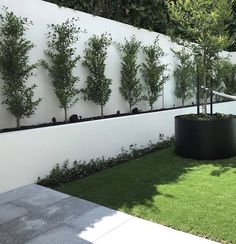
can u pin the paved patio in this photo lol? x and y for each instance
(37, 215)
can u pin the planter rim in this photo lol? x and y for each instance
(181, 117)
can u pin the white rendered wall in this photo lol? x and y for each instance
(44, 13)
(25, 155)
(233, 57)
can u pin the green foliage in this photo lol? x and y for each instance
(206, 22)
(225, 76)
(153, 72)
(222, 73)
(193, 196)
(131, 87)
(62, 59)
(75, 4)
(203, 117)
(98, 85)
(77, 170)
(185, 75)
(149, 14)
(232, 28)
(14, 66)
(207, 25)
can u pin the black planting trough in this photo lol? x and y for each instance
(205, 139)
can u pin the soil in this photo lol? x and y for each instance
(80, 120)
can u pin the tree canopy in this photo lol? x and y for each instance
(204, 21)
(149, 14)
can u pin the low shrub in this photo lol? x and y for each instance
(208, 117)
(67, 172)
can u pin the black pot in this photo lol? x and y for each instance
(212, 139)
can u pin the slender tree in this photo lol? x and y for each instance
(153, 72)
(204, 21)
(62, 59)
(15, 68)
(131, 87)
(225, 76)
(185, 75)
(98, 85)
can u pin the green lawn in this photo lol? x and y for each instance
(193, 196)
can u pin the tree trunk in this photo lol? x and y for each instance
(198, 90)
(99, 7)
(66, 118)
(118, 9)
(18, 123)
(163, 98)
(151, 105)
(182, 102)
(102, 111)
(211, 97)
(130, 108)
(204, 83)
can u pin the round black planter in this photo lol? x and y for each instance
(214, 139)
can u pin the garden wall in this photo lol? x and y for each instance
(233, 57)
(25, 155)
(42, 14)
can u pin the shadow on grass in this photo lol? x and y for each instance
(135, 182)
(220, 171)
(186, 194)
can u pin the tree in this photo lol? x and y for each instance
(185, 75)
(229, 81)
(131, 87)
(225, 76)
(15, 68)
(62, 60)
(232, 28)
(151, 15)
(98, 85)
(204, 21)
(153, 72)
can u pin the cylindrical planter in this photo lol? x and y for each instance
(201, 139)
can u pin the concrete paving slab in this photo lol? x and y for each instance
(22, 192)
(77, 203)
(139, 231)
(1, 238)
(98, 222)
(20, 230)
(41, 199)
(10, 212)
(59, 235)
(40, 220)
(34, 214)
(67, 209)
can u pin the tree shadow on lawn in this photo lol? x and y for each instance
(136, 182)
(153, 187)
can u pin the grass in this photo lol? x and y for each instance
(193, 196)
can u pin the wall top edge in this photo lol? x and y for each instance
(114, 21)
(91, 122)
(107, 120)
(102, 18)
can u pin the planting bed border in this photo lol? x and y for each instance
(98, 118)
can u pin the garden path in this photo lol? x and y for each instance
(37, 215)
